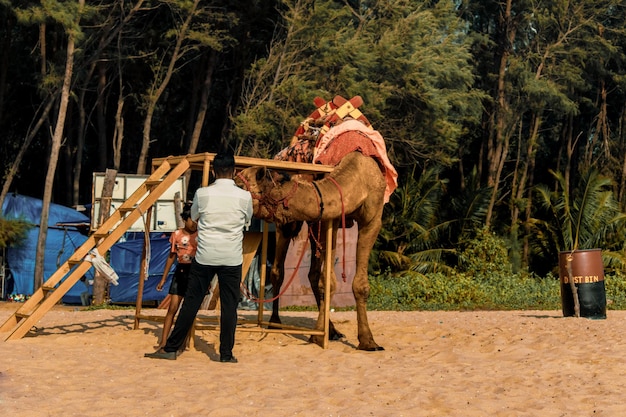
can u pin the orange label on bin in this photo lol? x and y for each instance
(583, 279)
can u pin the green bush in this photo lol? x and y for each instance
(485, 255)
(12, 231)
(461, 291)
(615, 285)
(483, 281)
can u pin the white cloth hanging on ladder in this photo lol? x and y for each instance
(102, 266)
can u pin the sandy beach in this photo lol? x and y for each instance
(483, 363)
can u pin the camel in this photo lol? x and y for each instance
(301, 149)
(354, 190)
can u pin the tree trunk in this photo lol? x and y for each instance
(497, 154)
(118, 134)
(100, 118)
(63, 178)
(54, 157)
(158, 88)
(621, 192)
(202, 111)
(80, 145)
(101, 284)
(528, 183)
(118, 131)
(570, 145)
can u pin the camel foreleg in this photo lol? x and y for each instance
(277, 272)
(316, 276)
(361, 286)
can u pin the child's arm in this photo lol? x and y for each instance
(166, 270)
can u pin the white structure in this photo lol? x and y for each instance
(163, 212)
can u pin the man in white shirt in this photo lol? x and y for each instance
(222, 211)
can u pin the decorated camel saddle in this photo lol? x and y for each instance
(333, 130)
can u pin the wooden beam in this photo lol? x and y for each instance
(199, 161)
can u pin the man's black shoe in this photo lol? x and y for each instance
(232, 359)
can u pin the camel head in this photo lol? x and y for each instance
(268, 192)
(246, 179)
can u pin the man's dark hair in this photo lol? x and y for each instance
(224, 164)
(186, 213)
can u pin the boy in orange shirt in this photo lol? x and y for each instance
(183, 249)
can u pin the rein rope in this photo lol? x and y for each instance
(247, 185)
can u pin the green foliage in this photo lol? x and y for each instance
(408, 61)
(12, 231)
(461, 291)
(483, 281)
(485, 256)
(615, 286)
(458, 85)
(66, 14)
(411, 234)
(424, 227)
(412, 291)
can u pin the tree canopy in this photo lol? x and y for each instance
(493, 112)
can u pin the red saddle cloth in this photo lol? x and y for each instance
(350, 141)
(350, 136)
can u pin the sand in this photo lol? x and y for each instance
(484, 363)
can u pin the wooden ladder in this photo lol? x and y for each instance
(55, 287)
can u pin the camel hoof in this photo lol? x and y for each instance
(372, 348)
(336, 336)
(317, 340)
(333, 336)
(277, 321)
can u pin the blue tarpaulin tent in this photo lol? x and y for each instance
(62, 240)
(125, 259)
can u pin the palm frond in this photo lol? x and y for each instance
(431, 260)
(587, 217)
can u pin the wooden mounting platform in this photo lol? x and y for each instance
(165, 171)
(203, 162)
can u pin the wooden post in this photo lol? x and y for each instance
(206, 171)
(327, 274)
(144, 264)
(100, 283)
(177, 210)
(263, 273)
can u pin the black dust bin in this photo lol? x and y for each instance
(586, 270)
